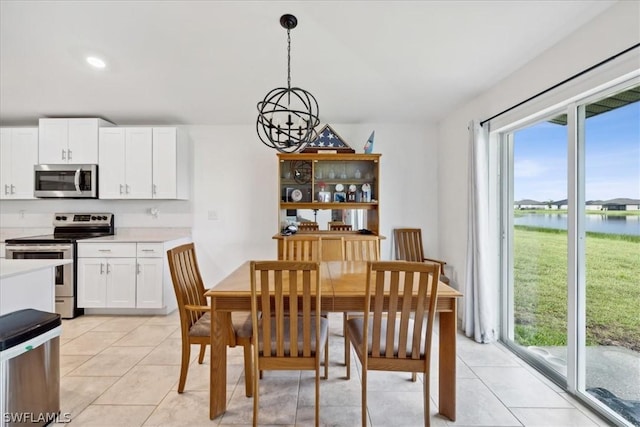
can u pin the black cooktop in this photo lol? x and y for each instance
(70, 227)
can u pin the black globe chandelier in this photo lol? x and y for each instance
(287, 116)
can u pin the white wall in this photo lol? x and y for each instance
(618, 28)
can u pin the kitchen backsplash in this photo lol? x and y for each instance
(144, 214)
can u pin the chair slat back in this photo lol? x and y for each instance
(409, 244)
(302, 248)
(284, 292)
(361, 248)
(308, 226)
(340, 227)
(187, 282)
(392, 288)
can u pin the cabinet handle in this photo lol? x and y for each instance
(6, 189)
(126, 186)
(108, 270)
(69, 154)
(138, 268)
(12, 189)
(155, 189)
(64, 155)
(101, 268)
(104, 250)
(120, 188)
(148, 250)
(60, 300)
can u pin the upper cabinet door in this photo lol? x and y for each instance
(19, 152)
(5, 166)
(52, 146)
(111, 171)
(72, 141)
(138, 163)
(82, 145)
(164, 163)
(24, 156)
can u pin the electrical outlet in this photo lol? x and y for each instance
(213, 215)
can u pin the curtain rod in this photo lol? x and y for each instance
(611, 58)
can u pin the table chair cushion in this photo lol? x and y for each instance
(324, 332)
(356, 327)
(241, 324)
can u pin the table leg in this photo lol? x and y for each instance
(218, 363)
(447, 366)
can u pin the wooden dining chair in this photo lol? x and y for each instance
(396, 331)
(302, 248)
(308, 226)
(357, 248)
(307, 248)
(408, 242)
(289, 333)
(339, 227)
(195, 314)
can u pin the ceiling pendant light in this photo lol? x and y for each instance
(287, 116)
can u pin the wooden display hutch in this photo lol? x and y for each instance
(330, 181)
(335, 182)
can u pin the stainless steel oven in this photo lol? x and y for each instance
(66, 181)
(64, 292)
(68, 229)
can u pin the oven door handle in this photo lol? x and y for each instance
(76, 180)
(38, 248)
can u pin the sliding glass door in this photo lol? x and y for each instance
(612, 252)
(571, 247)
(539, 242)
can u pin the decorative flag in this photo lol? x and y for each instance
(368, 146)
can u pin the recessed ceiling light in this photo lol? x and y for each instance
(96, 62)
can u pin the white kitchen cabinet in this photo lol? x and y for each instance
(18, 155)
(106, 275)
(125, 169)
(143, 163)
(149, 283)
(149, 291)
(170, 165)
(73, 141)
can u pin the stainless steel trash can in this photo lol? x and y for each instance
(29, 368)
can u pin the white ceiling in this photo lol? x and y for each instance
(210, 62)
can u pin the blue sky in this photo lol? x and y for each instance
(612, 158)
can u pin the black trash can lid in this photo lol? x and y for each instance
(22, 325)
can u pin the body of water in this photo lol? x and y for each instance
(629, 225)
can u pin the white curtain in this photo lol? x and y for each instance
(480, 290)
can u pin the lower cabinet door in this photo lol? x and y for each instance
(92, 283)
(149, 283)
(121, 282)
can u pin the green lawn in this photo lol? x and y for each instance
(540, 288)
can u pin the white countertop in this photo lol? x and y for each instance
(124, 235)
(144, 235)
(15, 267)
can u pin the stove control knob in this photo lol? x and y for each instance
(104, 217)
(58, 218)
(93, 218)
(64, 218)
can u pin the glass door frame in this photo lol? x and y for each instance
(575, 381)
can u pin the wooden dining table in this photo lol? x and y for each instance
(343, 290)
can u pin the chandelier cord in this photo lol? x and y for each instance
(289, 62)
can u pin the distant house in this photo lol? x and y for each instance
(594, 205)
(529, 204)
(621, 204)
(559, 204)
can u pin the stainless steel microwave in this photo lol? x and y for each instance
(66, 181)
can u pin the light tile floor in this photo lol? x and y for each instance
(123, 371)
